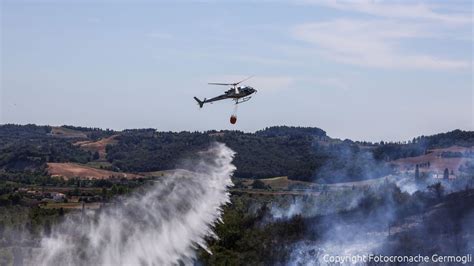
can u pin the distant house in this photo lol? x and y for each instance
(58, 196)
(33, 193)
(440, 175)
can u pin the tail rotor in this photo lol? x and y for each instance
(201, 103)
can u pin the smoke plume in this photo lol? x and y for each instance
(162, 225)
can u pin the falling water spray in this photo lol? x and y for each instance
(161, 226)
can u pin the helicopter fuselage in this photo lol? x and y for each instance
(235, 94)
(239, 92)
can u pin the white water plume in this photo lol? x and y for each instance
(161, 226)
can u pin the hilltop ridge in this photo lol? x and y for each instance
(301, 153)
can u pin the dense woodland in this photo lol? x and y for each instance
(300, 153)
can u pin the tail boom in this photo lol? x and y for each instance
(201, 103)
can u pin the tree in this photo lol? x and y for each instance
(14, 198)
(257, 184)
(114, 190)
(104, 194)
(437, 189)
(417, 172)
(96, 156)
(121, 190)
(446, 174)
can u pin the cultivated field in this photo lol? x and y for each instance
(71, 170)
(280, 183)
(437, 163)
(97, 146)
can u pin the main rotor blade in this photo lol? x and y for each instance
(225, 84)
(242, 80)
(230, 84)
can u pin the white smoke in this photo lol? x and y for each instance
(295, 208)
(408, 185)
(161, 226)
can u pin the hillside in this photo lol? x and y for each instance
(437, 160)
(305, 154)
(72, 170)
(443, 228)
(98, 146)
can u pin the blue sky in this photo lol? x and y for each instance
(365, 70)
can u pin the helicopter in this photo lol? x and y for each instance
(239, 94)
